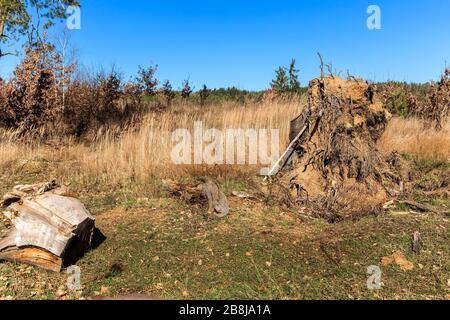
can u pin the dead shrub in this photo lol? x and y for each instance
(44, 94)
(437, 109)
(31, 98)
(93, 102)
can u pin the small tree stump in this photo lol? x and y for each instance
(48, 229)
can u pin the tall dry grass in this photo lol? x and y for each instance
(414, 137)
(142, 153)
(145, 152)
(14, 146)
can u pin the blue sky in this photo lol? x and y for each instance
(240, 43)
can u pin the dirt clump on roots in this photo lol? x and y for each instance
(337, 170)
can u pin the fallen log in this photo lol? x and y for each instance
(414, 205)
(419, 206)
(48, 229)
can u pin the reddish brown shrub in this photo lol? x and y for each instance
(93, 102)
(31, 98)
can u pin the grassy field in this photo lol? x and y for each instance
(169, 249)
(366, 176)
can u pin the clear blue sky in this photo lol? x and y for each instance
(241, 42)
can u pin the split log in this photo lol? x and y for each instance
(49, 230)
(414, 205)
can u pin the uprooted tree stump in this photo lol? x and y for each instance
(48, 229)
(336, 160)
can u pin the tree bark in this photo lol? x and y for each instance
(2, 29)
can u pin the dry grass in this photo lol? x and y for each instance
(12, 147)
(172, 230)
(139, 154)
(145, 152)
(414, 137)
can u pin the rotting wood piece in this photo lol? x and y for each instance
(208, 189)
(419, 206)
(48, 229)
(217, 201)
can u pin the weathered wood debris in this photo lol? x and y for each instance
(49, 229)
(208, 190)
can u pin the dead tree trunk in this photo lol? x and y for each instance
(49, 230)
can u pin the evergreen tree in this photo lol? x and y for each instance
(281, 83)
(168, 92)
(204, 94)
(16, 19)
(186, 89)
(294, 83)
(286, 79)
(147, 81)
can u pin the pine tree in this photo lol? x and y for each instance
(294, 83)
(186, 89)
(204, 94)
(147, 81)
(286, 79)
(167, 92)
(281, 83)
(17, 16)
